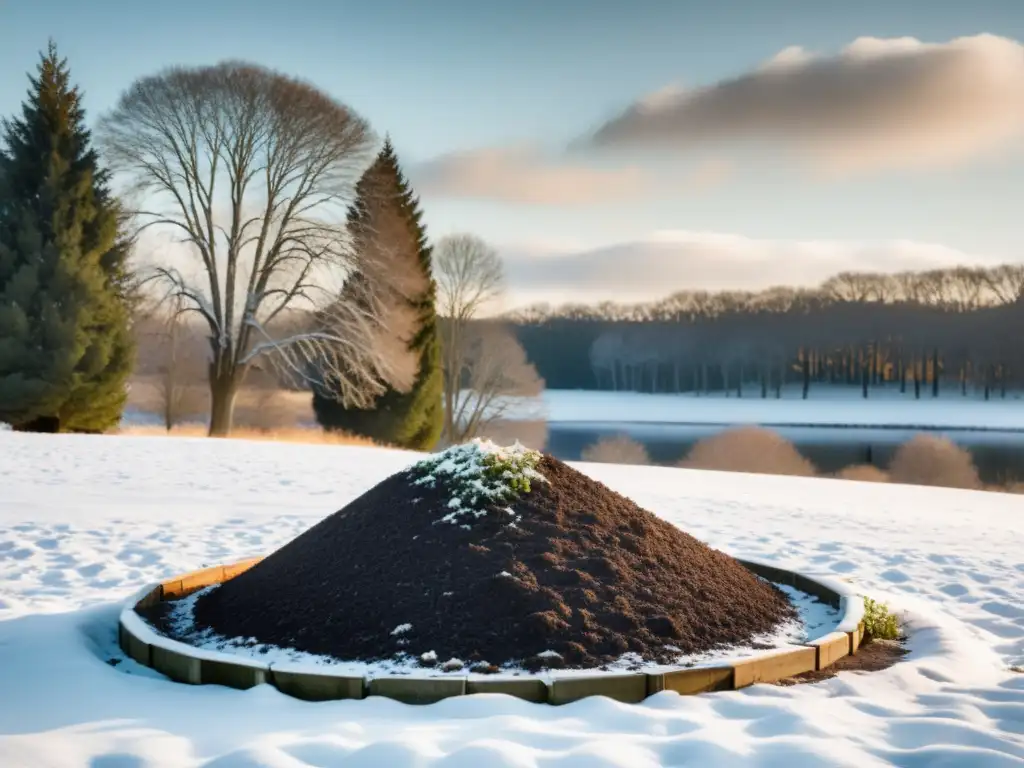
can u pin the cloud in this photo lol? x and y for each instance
(878, 104)
(667, 262)
(522, 174)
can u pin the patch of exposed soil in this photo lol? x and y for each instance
(870, 657)
(581, 572)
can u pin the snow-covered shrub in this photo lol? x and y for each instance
(748, 449)
(620, 449)
(864, 473)
(879, 623)
(936, 461)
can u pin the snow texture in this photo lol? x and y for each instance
(480, 472)
(87, 521)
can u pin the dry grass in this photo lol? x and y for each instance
(864, 473)
(934, 461)
(748, 449)
(311, 435)
(620, 449)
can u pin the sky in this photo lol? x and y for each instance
(628, 150)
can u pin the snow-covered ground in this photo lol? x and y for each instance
(84, 521)
(825, 406)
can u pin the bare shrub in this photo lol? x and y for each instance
(748, 449)
(620, 449)
(864, 473)
(170, 376)
(936, 461)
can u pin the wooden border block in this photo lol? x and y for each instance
(418, 690)
(230, 571)
(831, 648)
(689, 681)
(240, 676)
(171, 589)
(177, 666)
(628, 689)
(151, 598)
(857, 638)
(192, 582)
(769, 667)
(309, 686)
(133, 647)
(529, 689)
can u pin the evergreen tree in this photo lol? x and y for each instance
(408, 419)
(65, 342)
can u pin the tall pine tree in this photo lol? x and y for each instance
(408, 419)
(65, 343)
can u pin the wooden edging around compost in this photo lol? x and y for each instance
(184, 663)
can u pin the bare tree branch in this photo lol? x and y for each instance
(253, 171)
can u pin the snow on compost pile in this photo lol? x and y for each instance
(494, 558)
(85, 521)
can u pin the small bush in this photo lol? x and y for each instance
(616, 450)
(935, 461)
(864, 473)
(879, 623)
(748, 449)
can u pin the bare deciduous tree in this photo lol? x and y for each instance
(252, 171)
(495, 374)
(469, 275)
(179, 373)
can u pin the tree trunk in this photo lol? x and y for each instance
(223, 392)
(903, 376)
(764, 383)
(935, 373)
(917, 380)
(807, 376)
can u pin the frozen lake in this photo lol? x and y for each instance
(834, 428)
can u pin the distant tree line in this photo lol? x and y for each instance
(919, 331)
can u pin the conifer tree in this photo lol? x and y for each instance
(65, 343)
(408, 419)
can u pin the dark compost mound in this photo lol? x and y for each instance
(580, 571)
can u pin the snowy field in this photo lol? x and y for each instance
(825, 406)
(84, 521)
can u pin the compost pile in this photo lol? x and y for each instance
(495, 557)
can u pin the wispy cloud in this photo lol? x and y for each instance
(524, 174)
(666, 262)
(877, 104)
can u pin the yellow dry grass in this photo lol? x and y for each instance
(310, 435)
